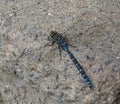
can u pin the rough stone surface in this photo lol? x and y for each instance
(33, 74)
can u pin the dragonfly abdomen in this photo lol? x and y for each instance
(80, 69)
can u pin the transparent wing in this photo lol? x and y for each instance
(50, 55)
(80, 34)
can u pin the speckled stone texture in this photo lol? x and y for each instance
(33, 74)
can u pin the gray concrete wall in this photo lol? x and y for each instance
(33, 74)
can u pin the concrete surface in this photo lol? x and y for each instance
(33, 74)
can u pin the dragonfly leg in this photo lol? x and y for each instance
(60, 51)
(49, 44)
(52, 43)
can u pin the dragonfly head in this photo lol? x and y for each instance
(52, 34)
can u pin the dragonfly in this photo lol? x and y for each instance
(63, 45)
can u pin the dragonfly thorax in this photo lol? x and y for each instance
(59, 39)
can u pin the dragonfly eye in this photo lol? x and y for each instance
(52, 33)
